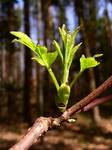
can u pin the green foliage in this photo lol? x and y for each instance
(66, 53)
(43, 57)
(68, 50)
(88, 62)
(24, 39)
(57, 47)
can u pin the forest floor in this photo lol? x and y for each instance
(82, 135)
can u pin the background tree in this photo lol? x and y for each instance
(28, 67)
(26, 91)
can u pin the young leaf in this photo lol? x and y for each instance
(39, 60)
(70, 42)
(51, 57)
(57, 47)
(88, 62)
(42, 57)
(73, 51)
(75, 32)
(41, 49)
(46, 59)
(24, 39)
(62, 32)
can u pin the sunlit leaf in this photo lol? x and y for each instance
(24, 39)
(41, 49)
(39, 60)
(63, 33)
(73, 51)
(88, 62)
(57, 47)
(71, 37)
(51, 57)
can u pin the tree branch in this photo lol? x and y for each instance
(96, 102)
(42, 124)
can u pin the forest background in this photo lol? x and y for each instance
(26, 90)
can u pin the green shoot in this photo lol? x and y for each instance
(66, 53)
(43, 57)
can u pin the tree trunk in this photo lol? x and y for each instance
(28, 70)
(40, 100)
(47, 24)
(62, 13)
(108, 29)
(10, 83)
(88, 31)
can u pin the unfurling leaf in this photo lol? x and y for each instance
(46, 59)
(58, 49)
(62, 32)
(73, 51)
(39, 60)
(71, 37)
(66, 52)
(41, 50)
(51, 57)
(43, 57)
(24, 39)
(88, 62)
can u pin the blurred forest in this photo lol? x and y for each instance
(26, 90)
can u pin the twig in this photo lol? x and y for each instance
(96, 102)
(42, 124)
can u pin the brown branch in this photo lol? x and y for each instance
(42, 124)
(96, 102)
(88, 99)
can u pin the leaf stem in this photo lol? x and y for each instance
(53, 78)
(65, 75)
(75, 79)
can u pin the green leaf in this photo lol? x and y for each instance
(43, 58)
(24, 39)
(51, 57)
(73, 51)
(75, 32)
(68, 47)
(41, 49)
(46, 59)
(68, 51)
(71, 41)
(39, 60)
(63, 33)
(68, 39)
(57, 47)
(88, 62)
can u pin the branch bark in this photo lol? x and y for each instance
(42, 124)
(97, 101)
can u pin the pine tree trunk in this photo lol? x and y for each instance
(47, 23)
(28, 71)
(40, 100)
(10, 61)
(108, 29)
(88, 32)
